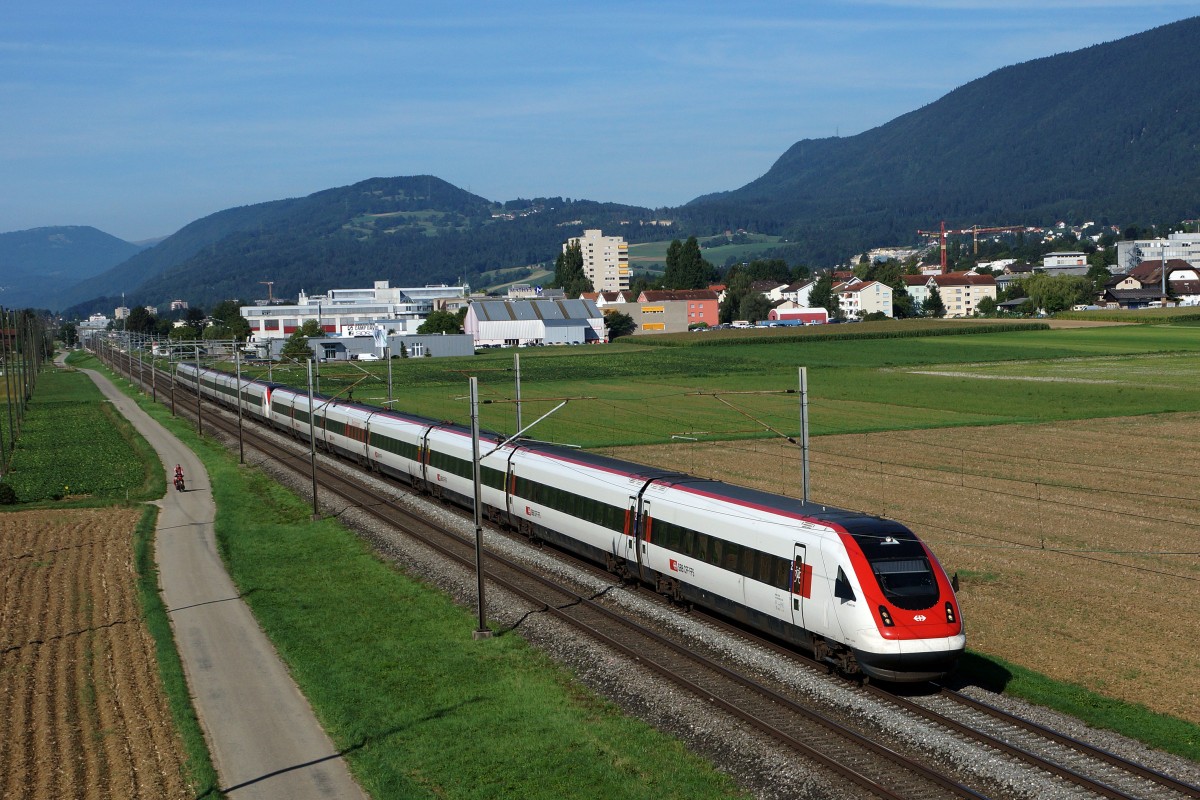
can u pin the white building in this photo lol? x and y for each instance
(859, 299)
(605, 260)
(960, 291)
(349, 312)
(516, 323)
(1184, 246)
(799, 292)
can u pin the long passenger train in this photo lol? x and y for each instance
(860, 592)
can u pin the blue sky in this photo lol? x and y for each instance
(139, 117)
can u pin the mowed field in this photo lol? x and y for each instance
(81, 706)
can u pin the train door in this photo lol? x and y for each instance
(801, 584)
(632, 535)
(645, 530)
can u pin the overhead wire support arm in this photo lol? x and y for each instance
(527, 427)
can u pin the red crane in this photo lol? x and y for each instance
(974, 230)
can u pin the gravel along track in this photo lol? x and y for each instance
(760, 764)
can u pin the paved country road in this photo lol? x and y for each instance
(265, 740)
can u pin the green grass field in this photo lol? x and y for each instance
(648, 254)
(73, 445)
(630, 393)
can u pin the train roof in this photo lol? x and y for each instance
(587, 458)
(853, 522)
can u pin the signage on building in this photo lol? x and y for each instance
(358, 330)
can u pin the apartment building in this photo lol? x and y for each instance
(605, 260)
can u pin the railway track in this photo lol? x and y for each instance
(848, 748)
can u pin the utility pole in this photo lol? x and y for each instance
(199, 425)
(237, 360)
(312, 441)
(387, 353)
(804, 432)
(517, 370)
(481, 630)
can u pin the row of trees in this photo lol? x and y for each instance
(225, 322)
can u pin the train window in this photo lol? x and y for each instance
(730, 555)
(781, 576)
(716, 550)
(842, 589)
(908, 583)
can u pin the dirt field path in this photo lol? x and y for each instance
(264, 738)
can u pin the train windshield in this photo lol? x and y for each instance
(901, 568)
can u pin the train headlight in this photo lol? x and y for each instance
(886, 617)
(949, 612)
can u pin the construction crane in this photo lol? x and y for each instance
(268, 284)
(974, 230)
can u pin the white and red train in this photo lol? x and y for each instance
(861, 592)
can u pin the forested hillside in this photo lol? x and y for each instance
(408, 230)
(37, 265)
(1111, 131)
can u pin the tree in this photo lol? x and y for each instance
(672, 273)
(619, 324)
(933, 305)
(67, 333)
(568, 272)
(986, 307)
(296, 347)
(903, 305)
(195, 322)
(140, 320)
(822, 296)
(1058, 293)
(228, 322)
(441, 322)
(686, 267)
(754, 307)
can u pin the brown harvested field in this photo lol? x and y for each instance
(1076, 543)
(82, 713)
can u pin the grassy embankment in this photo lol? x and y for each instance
(76, 451)
(390, 667)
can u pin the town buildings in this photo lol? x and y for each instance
(1183, 246)
(605, 260)
(349, 312)
(667, 311)
(960, 291)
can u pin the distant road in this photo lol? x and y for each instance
(264, 738)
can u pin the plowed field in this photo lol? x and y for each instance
(1076, 543)
(82, 713)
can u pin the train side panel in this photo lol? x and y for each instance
(579, 506)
